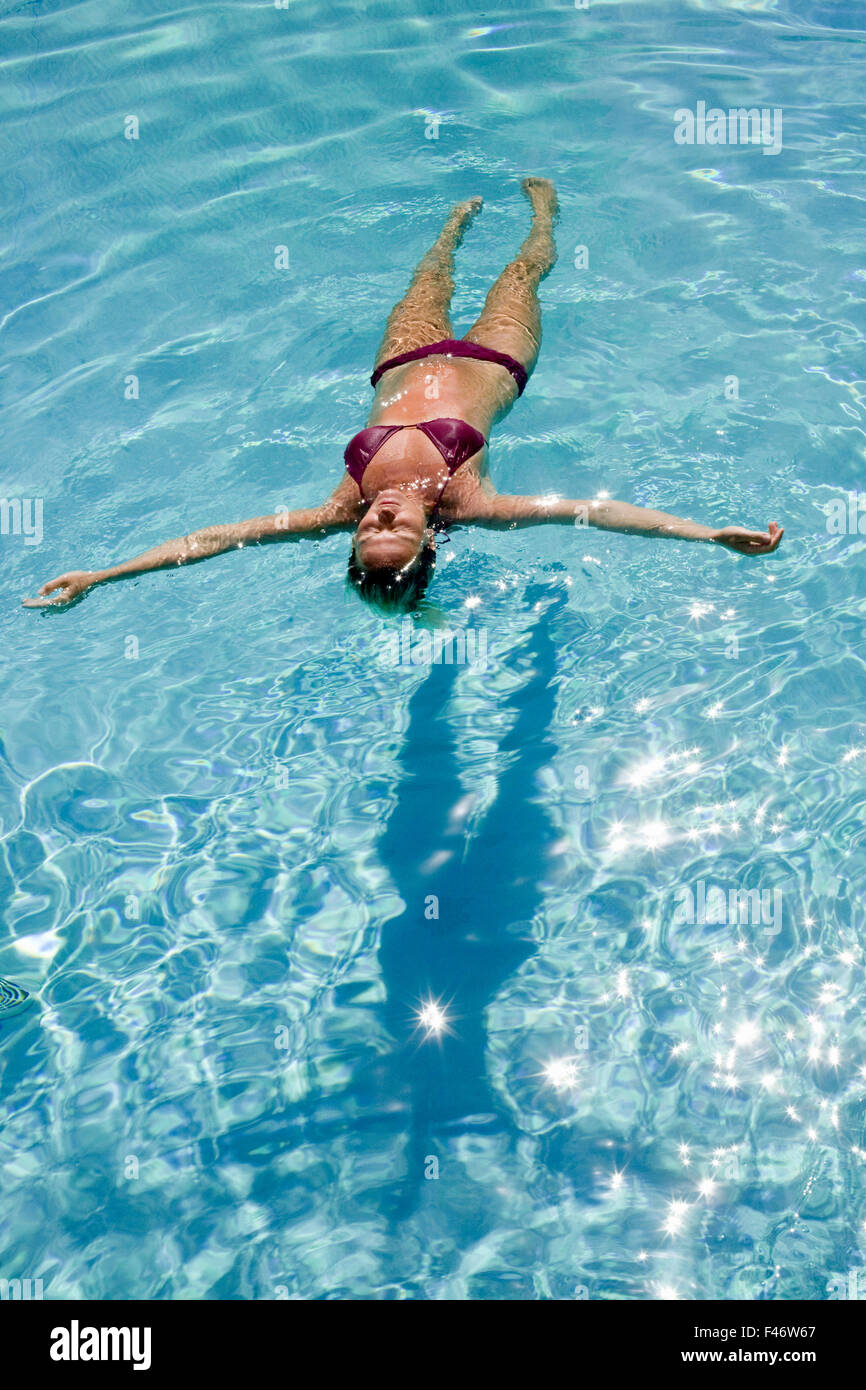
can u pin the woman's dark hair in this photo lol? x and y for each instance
(394, 590)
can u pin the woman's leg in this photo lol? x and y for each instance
(421, 316)
(511, 318)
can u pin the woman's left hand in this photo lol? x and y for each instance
(750, 542)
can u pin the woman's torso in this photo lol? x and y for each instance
(436, 388)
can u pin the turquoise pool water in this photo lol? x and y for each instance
(228, 824)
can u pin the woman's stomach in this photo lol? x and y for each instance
(438, 388)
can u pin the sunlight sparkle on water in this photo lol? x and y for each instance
(746, 1035)
(561, 1073)
(644, 771)
(432, 1019)
(655, 834)
(678, 1210)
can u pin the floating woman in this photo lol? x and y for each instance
(421, 462)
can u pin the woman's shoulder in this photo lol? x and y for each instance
(467, 496)
(345, 503)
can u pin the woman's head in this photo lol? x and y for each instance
(393, 554)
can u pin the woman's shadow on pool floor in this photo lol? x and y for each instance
(469, 904)
(434, 1089)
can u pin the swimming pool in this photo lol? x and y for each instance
(242, 850)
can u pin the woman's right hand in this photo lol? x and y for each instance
(62, 590)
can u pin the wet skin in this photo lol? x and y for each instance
(402, 483)
(404, 479)
(407, 480)
(392, 532)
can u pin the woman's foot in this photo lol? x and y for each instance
(538, 252)
(455, 225)
(462, 213)
(542, 195)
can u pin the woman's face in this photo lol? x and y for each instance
(392, 532)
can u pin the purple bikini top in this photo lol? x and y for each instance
(455, 440)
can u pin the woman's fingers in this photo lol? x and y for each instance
(768, 541)
(757, 541)
(63, 589)
(41, 602)
(752, 542)
(62, 597)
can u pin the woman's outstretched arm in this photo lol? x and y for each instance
(503, 512)
(333, 515)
